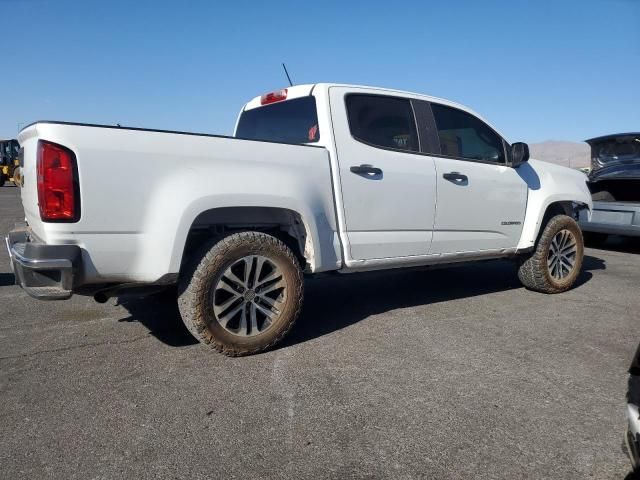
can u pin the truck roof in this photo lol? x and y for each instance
(297, 91)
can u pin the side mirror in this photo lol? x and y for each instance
(519, 154)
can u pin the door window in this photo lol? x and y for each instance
(464, 136)
(386, 122)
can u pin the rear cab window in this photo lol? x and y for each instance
(289, 121)
(464, 136)
(381, 121)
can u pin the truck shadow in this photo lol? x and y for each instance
(334, 302)
(617, 243)
(160, 314)
(7, 279)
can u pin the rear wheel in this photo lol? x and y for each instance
(242, 294)
(3, 179)
(556, 261)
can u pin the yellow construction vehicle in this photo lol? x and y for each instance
(8, 160)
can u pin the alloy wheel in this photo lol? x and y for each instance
(249, 295)
(562, 254)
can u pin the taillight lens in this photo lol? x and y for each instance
(273, 97)
(58, 193)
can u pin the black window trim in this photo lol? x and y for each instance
(431, 124)
(427, 127)
(373, 145)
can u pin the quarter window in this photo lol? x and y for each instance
(386, 122)
(463, 135)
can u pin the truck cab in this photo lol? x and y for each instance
(422, 179)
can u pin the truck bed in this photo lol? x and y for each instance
(142, 189)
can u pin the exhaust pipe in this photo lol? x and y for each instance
(103, 296)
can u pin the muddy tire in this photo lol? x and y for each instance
(556, 261)
(242, 294)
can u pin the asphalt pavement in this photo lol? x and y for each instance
(451, 373)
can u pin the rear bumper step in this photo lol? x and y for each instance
(46, 272)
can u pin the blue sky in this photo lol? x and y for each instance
(565, 69)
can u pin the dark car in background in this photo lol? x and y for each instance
(614, 182)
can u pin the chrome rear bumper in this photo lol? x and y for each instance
(46, 272)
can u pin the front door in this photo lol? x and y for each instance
(388, 188)
(481, 200)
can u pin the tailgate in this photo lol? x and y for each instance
(622, 218)
(618, 213)
(28, 139)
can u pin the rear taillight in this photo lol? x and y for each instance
(273, 97)
(58, 192)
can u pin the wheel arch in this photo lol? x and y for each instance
(552, 208)
(555, 263)
(283, 223)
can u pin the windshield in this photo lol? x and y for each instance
(618, 149)
(10, 149)
(291, 121)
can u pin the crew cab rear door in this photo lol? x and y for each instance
(481, 200)
(388, 188)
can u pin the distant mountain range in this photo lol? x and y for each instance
(569, 154)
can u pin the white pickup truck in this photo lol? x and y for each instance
(317, 178)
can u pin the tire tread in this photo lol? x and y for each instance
(193, 288)
(532, 271)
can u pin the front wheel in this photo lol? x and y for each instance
(242, 294)
(3, 179)
(555, 264)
